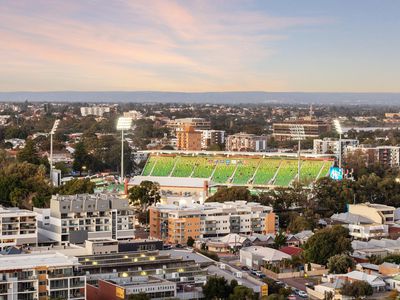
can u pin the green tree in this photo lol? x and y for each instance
(241, 292)
(147, 193)
(216, 288)
(356, 289)
(190, 241)
(231, 194)
(280, 239)
(326, 243)
(29, 154)
(299, 223)
(340, 263)
(77, 186)
(81, 157)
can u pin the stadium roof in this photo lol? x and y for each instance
(170, 181)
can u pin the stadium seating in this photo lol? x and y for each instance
(325, 169)
(286, 173)
(203, 167)
(184, 167)
(245, 170)
(309, 170)
(266, 170)
(251, 170)
(149, 166)
(164, 165)
(223, 171)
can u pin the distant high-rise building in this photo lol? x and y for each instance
(245, 142)
(196, 123)
(313, 128)
(212, 137)
(188, 139)
(331, 146)
(98, 110)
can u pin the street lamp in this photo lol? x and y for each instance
(297, 133)
(338, 128)
(52, 132)
(123, 123)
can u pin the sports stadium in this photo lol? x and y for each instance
(252, 169)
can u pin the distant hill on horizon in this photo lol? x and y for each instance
(206, 97)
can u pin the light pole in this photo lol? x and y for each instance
(339, 130)
(123, 123)
(52, 132)
(297, 133)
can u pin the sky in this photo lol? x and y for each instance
(200, 45)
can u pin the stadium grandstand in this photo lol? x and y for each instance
(241, 169)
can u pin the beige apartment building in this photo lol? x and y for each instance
(245, 142)
(174, 224)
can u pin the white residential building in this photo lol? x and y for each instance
(18, 227)
(98, 110)
(133, 114)
(332, 146)
(256, 256)
(77, 218)
(212, 137)
(41, 276)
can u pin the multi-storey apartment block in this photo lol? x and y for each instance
(332, 146)
(174, 224)
(196, 123)
(212, 137)
(245, 142)
(98, 110)
(18, 227)
(41, 276)
(76, 218)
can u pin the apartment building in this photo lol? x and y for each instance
(332, 146)
(96, 110)
(188, 138)
(378, 213)
(174, 224)
(76, 218)
(133, 114)
(212, 137)
(245, 142)
(157, 274)
(41, 276)
(313, 128)
(385, 155)
(18, 227)
(196, 123)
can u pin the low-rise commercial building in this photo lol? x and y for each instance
(77, 218)
(175, 224)
(18, 227)
(41, 276)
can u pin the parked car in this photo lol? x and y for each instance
(303, 294)
(253, 272)
(296, 291)
(292, 297)
(260, 275)
(244, 268)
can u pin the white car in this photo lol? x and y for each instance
(303, 294)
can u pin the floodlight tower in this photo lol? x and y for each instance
(339, 130)
(297, 133)
(123, 123)
(52, 132)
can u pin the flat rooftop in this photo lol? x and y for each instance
(29, 261)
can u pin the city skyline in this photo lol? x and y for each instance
(199, 46)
